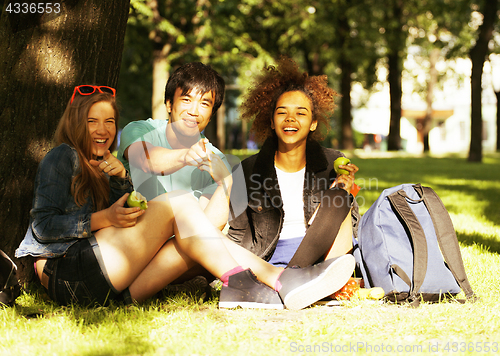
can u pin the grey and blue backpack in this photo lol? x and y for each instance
(407, 245)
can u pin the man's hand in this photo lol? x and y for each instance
(216, 167)
(197, 155)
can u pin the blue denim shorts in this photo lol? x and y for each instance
(78, 277)
(285, 249)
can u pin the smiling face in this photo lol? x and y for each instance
(190, 113)
(101, 126)
(292, 119)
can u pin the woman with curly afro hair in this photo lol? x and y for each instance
(299, 211)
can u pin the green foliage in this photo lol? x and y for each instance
(184, 31)
(464, 37)
(240, 37)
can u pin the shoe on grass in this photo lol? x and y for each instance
(246, 291)
(301, 287)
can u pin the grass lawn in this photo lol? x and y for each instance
(183, 325)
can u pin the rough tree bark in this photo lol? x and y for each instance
(42, 57)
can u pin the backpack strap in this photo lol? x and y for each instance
(417, 235)
(402, 274)
(447, 238)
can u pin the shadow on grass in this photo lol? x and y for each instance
(114, 333)
(475, 239)
(127, 345)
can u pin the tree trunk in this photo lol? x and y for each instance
(346, 134)
(431, 84)
(476, 125)
(396, 43)
(221, 128)
(497, 94)
(160, 77)
(478, 55)
(160, 64)
(43, 56)
(346, 139)
(394, 138)
(314, 65)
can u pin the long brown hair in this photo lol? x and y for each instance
(72, 130)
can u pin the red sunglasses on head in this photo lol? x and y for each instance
(90, 89)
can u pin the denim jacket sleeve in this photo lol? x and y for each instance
(55, 217)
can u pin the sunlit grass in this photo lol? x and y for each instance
(184, 325)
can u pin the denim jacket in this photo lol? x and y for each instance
(258, 228)
(56, 221)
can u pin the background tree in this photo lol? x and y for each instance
(476, 41)
(324, 37)
(495, 74)
(497, 94)
(395, 30)
(353, 38)
(241, 37)
(43, 56)
(176, 30)
(478, 53)
(432, 33)
(164, 34)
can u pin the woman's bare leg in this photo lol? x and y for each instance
(208, 246)
(127, 252)
(265, 272)
(171, 262)
(166, 266)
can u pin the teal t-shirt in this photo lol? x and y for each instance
(150, 185)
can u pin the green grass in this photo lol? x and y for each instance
(183, 325)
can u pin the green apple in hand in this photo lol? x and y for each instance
(137, 199)
(341, 161)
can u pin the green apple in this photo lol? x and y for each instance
(341, 161)
(137, 199)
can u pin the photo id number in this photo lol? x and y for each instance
(473, 347)
(26, 8)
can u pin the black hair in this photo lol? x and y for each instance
(196, 75)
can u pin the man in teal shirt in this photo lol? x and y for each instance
(168, 155)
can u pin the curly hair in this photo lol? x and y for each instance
(260, 100)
